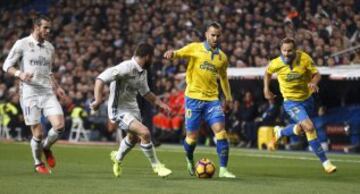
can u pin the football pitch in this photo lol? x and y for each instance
(83, 169)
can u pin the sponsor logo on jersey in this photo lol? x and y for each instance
(208, 67)
(293, 76)
(40, 61)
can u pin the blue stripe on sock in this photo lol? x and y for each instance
(36, 140)
(145, 146)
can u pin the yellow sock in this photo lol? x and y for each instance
(190, 141)
(311, 135)
(221, 135)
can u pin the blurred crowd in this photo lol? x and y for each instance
(91, 35)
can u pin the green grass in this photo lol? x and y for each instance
(87, 169)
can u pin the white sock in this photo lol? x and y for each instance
(150, 153)
(325, 163)
(51, 138)
(36, 149)
(124, 148)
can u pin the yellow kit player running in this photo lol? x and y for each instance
(206, 62)
(298, 79)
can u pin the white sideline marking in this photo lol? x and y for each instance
(272, 155)
(207, 150)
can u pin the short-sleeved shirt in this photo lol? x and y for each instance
(294, 78)
(204, 67)
(36, 58)
(126, 80)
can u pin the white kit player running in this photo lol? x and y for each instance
(37, 89)
(127, 80)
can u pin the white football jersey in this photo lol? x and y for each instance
(127, 80)
(34, 58)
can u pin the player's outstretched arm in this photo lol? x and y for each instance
(313, 84)
(169, 54)
(267, 92)
(153, 99)
(59, 91)
(98, 89)
(225, 86)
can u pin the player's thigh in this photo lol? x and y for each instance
(53, 111)
(296, 111)
(31, 110)
(193, 114)
(131, 122)
(218, 127)
(214, 116)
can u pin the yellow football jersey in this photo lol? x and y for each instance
(204, 67)
(293, 79)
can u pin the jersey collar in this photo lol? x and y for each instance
(32, 38)
(292, 61)
(138, 67)
(214, 52)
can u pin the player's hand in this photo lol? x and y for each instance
(313, 87)
(94, 106)
(164, 107)
(169, 54)
(227, 106)
(25, 76)
(60, 92)
(268, 94)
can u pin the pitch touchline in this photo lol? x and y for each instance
(272, 156)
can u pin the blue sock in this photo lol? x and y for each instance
(222, 148)
(189, 149)
(288, 131)
(317, 149)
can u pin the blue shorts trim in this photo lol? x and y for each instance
(197, 110)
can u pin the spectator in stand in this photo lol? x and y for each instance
(248, 111)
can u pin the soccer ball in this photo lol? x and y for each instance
(204, 168)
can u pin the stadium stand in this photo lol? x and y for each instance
(91, 35)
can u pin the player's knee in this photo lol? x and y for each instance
(38, 135)
(298, 129)
(60, 130)
(191, 135)
(37, 131)
(145, 134)
(307, 125)
(60, 126)
(132, 139)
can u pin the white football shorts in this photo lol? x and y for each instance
(124, 119)
(33, 107)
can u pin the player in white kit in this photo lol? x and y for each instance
(35, 55)
(127, 79)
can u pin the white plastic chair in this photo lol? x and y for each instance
(77, 131)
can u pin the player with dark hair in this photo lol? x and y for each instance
(127, 79)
